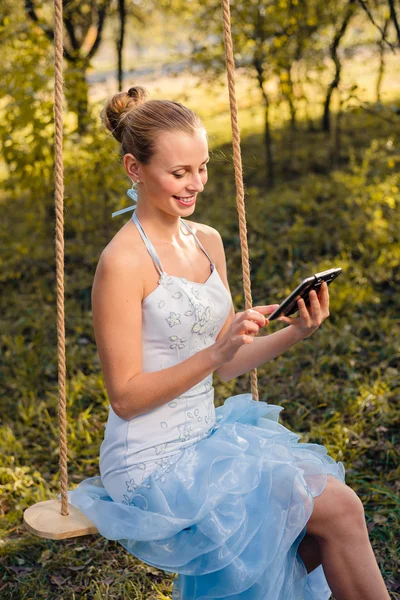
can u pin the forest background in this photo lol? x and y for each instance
(318, 86)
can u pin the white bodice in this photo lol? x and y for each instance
(179, 318)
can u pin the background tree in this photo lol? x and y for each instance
(348, 12)
(84, 21)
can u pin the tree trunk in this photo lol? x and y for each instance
(288, 93)
(381, 69)
(268, 148)
(326, 121)
(120, 41)
(336, 134)
(289, 97)
(394, 19)
(269, 162)
(76, 93)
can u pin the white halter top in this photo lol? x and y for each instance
(179, 318)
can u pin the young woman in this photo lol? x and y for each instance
(228, 497)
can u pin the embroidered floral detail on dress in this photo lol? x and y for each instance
(165, 280)
(195, 293)
(173, 319)
(131, 485)
(164, 425)
(177, 342)
(177, 295)
(186, 432)
(161, 304)
(210, 419)
(140, 466)
(172, 404)
(140, 501)
(214, 331)
(203, 315)
(166, 465)
(196, 414)
(160, 448)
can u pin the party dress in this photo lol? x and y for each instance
(220, 496)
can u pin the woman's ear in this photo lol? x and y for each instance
(131, 166)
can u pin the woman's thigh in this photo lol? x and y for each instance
(337, 509)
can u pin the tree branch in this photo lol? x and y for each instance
(371, 18)
(102, 15)
(30, 9)
(394, 18)
(69, 27)
(48, 31)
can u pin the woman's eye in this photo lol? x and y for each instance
(179, 176)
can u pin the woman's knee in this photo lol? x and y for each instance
(337, 510)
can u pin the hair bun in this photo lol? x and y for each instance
(118, 106)
(138, 93)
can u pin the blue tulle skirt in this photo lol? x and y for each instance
(229, 514)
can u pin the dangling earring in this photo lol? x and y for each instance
(133, 191)
(133, 195)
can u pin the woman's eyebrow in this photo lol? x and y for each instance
(204, 161)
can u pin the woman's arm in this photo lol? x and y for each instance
(117, 318)
(262, 350)
(266, 348)
(147, 391)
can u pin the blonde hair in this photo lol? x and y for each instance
(136, 121)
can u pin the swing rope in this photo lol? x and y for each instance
(59, 209)
(237, 162)
(44, 518)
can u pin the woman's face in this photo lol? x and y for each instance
(176, 173)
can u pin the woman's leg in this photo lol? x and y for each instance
(338, 524)
(310, 552)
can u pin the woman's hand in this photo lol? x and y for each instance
(244, 326)
(310, 319)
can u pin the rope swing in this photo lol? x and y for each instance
(49, 519)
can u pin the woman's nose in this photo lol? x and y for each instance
(196, 184)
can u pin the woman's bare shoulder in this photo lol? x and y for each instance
(203, 231)
(125, 252)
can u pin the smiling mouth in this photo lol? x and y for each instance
(185, 198)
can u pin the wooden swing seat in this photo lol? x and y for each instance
(45, 520)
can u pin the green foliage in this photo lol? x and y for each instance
(26, 126)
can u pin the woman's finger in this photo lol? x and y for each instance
(315, 306)
(266, 309)
(324, 300)
(288, 320)
(303, 312)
